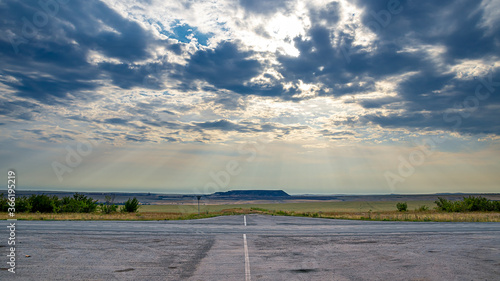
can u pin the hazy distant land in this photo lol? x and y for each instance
(254, 197)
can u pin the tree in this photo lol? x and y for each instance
(131, 206)
(402, 207)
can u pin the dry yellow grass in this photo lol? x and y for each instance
(379, 216)
(346, 206)
(124, 216)
(414, 216)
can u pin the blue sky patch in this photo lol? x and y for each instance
(184, 32)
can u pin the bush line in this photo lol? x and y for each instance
(79, 203)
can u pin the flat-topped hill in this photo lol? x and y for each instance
(234, 196)
(252, 193)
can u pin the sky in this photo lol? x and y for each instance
(311, 97)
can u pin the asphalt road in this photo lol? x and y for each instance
(266, 248)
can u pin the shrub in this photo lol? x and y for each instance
(285, 213)
(468, 204)
(4, 203)
(444, 205)
(87, 204)
(69, 206)
(448, 205)
(43, 203)
(131, 205)
(23, 204)
(79, 203)
(108, 207)
(423, 208)
(402, 207)
(477, 204)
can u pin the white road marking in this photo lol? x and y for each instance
(247, 260)
(245, 220)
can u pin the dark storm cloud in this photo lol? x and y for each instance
(52, 62)
(222, 125)
(19, 109)
(457, 27)
(454, 26)
(51, 58)
(46, 89)
(92, 22)
(479, 123)
(321, 61)
(116, 121)
(244, 127)
(462, 106)
(451, 103)
(226, 67)
(127, 76)
(378, 103)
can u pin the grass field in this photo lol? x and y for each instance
(357, 210)
(349, 206)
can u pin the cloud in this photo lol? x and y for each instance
(19, 109)
(127, 76)
(54, 63)
(263, 6)
(244, 126)
(228, 101)
(161, 69)
(222, 125)
(135, 138)
(329, 13)
(116, 121)
(404, 42)
(47, 136)
(456, 25)
(225, 67)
